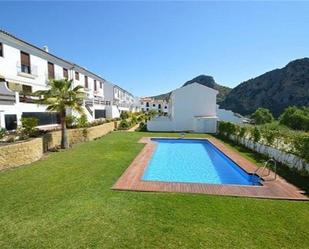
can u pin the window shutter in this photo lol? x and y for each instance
(95, 84)
(86, 81)
(25, 58)
(51, 71)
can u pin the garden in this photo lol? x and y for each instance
(65, 201)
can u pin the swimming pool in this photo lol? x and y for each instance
(194, 161)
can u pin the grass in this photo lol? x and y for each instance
(65, 201)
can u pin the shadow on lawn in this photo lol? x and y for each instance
(284, 171)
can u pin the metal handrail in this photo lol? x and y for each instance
(266, 168)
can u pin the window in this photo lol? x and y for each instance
(165, 107)
(26, 89)
(51, 71)
(44, 118)
(159, 106)
(76, 75)
(86, 81)
(1, 49)
(101, 85)
(147, 104)
(65, 73)
(142, 103)
(95, 85)
(154, 105)
(25, 62)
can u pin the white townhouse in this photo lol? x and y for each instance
(121, 100)
(158, 105)
(191, 108)
(25, 68)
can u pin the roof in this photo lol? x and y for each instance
(42, 50)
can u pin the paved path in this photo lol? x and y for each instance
(133, 128)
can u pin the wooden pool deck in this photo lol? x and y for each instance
(274, 189)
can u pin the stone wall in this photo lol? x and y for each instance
(292, 161)
(53, 139)
(17, 154)
(13, 155)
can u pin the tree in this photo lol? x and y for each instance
(296, 118)
(262, 116)
(59, 97)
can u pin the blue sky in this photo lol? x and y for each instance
(152, 47)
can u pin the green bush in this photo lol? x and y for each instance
(2, 133)
(227, 128)
(296, 118)
(134, 120)
(142, 127)
(82, 121)
(256, 134)
(124, 125)
(301, 145)
(70, 121)
(262, 116)
(28, 127)
(124, 115)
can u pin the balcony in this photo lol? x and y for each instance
(7, 97)
(27, 71)
(27, 98)
(100, 101)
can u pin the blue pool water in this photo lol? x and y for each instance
(193, 161)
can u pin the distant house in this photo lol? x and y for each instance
(229, 116)
(149, 104)
(191, 108)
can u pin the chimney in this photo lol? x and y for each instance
(45, 48)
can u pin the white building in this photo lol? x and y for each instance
(229, 116)
(191, 108)
(158, 105)
(25, 68)
(121, 100)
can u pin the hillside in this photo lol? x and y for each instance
(274, 90)
(206, 81)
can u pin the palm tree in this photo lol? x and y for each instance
(59, 97)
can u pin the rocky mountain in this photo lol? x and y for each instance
(206, 81)
(274, 90)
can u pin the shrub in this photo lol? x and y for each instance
(256, 134)
(133, 120)
(295, 118)
(2, 133)
(301, 145)
(242, 132)
(227, 128)
(142, 127)
(124, 115)
(124, 125)
(262, 116)
(82, 121)
(28, 127)
(70, 121)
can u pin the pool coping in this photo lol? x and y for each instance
(276, 189)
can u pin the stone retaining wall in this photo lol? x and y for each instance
(17, 154)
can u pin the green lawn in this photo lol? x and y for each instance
(65, 201)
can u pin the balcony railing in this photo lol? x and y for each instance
(31, 70)
(26, 98)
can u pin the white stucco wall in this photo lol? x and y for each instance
(192, 108)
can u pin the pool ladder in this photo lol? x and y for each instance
(267, 169)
